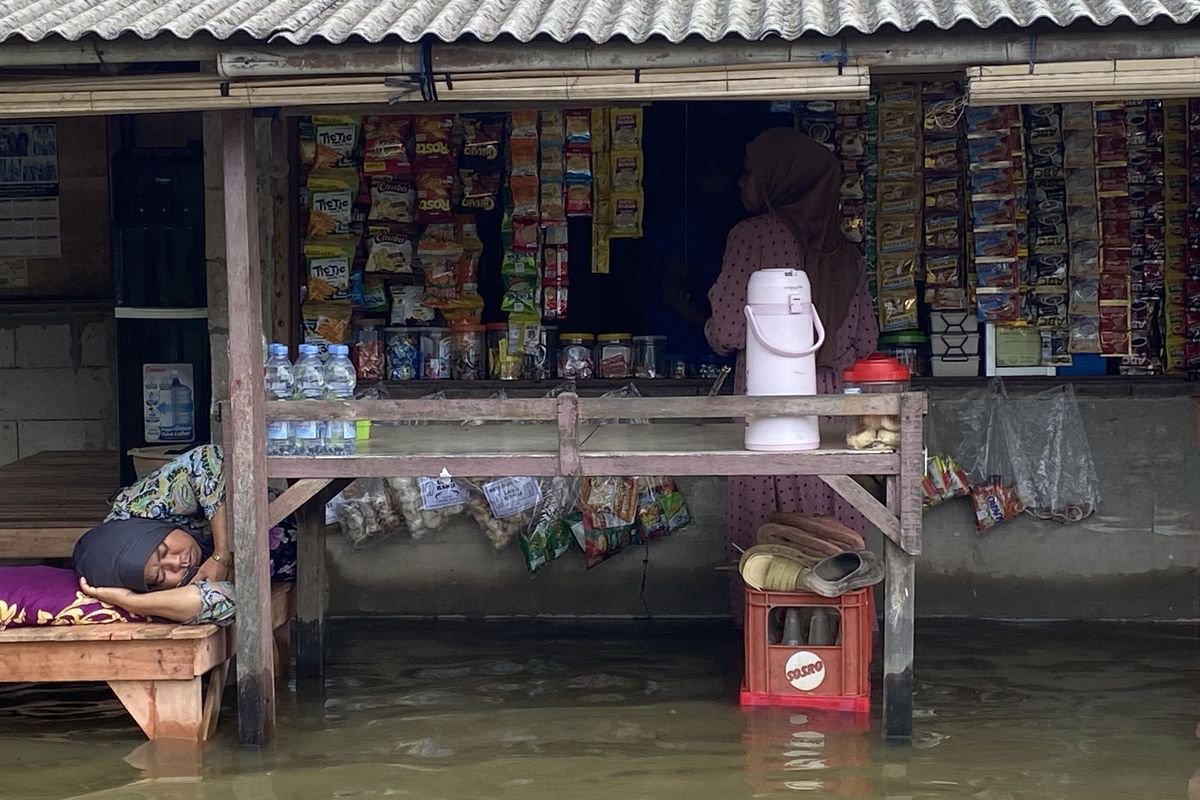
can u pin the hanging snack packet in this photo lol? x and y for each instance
(627, 172)
(438, 252)
(483, 140)
(601, 130)
(551, 164)
(523, 124)
(435, 192)
(554, 204)
(994, 503)
(897, 311)
(523, 157)
(326, 323)
(525, 191)
(331, 202)
(661, 509)
(392, 200)
(521, 283)
(432, 138)
(944, 480)
(408, 305)
(627, 215)
(626, 129)
(480, 191)
(328, 265)
(336, 137)
(374, 294)
(390, 248)
(579, 129)
(579, 199)
(386, 145)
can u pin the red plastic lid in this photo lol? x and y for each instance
(876, 368)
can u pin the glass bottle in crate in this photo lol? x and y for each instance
(875, 374)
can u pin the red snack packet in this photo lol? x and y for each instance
(435, 192)
(434, 133)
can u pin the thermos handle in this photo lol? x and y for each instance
(779, 351)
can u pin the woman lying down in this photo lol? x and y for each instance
(164, 550)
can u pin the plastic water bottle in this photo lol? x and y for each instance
(310, 385)
(184, 407)
(340, 380)
(281, 385)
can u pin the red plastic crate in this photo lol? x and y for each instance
(834, 678)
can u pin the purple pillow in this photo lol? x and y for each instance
(32, 596)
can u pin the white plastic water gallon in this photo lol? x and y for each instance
(783, 335)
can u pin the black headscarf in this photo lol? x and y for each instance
(115, 553)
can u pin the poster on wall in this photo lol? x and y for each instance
(168, 407)
(29, 216)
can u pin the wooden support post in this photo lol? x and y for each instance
(310, 590)
(245, 434)
(898, 610)
(568, 434)
(312, 583)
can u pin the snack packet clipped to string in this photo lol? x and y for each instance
(944, 480)
(994, 504)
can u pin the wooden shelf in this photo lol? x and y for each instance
(496, 449)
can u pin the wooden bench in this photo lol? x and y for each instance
(169, 677)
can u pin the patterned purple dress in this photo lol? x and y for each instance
(763, 242)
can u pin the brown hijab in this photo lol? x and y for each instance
(800, 183)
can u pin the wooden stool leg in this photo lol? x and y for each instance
(217, 679)
(164, 709)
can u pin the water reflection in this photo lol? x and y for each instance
(635, 712)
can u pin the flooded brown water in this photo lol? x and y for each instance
(648, 710)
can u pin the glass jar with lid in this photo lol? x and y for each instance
(650, 356)
(878, 373)
(614, 355)
(468, 361)
(575, 356)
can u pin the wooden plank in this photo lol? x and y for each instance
(55, 661)
(568, 434)
(39, 542)
(912, 471)
(293, 498)
(857, 495)
(416, 466)
(245, 433)
(898, 618)
(736, 406)
(114, 632)
(817, 462)
(35, 522)
(164, 709)
(284, 264)
(544, 409)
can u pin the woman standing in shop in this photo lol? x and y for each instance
(793, 187)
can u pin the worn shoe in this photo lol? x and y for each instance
(772, 568)
(843, 573)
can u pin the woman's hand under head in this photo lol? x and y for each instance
(172, 562)
(113, 595)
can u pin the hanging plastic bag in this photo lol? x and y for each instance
(366, 514)
(503, 507)
(1051, 457)
(547, 536)
(427, 504)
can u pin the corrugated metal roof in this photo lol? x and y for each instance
(336, 21)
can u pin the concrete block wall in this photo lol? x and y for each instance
(57, 384)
